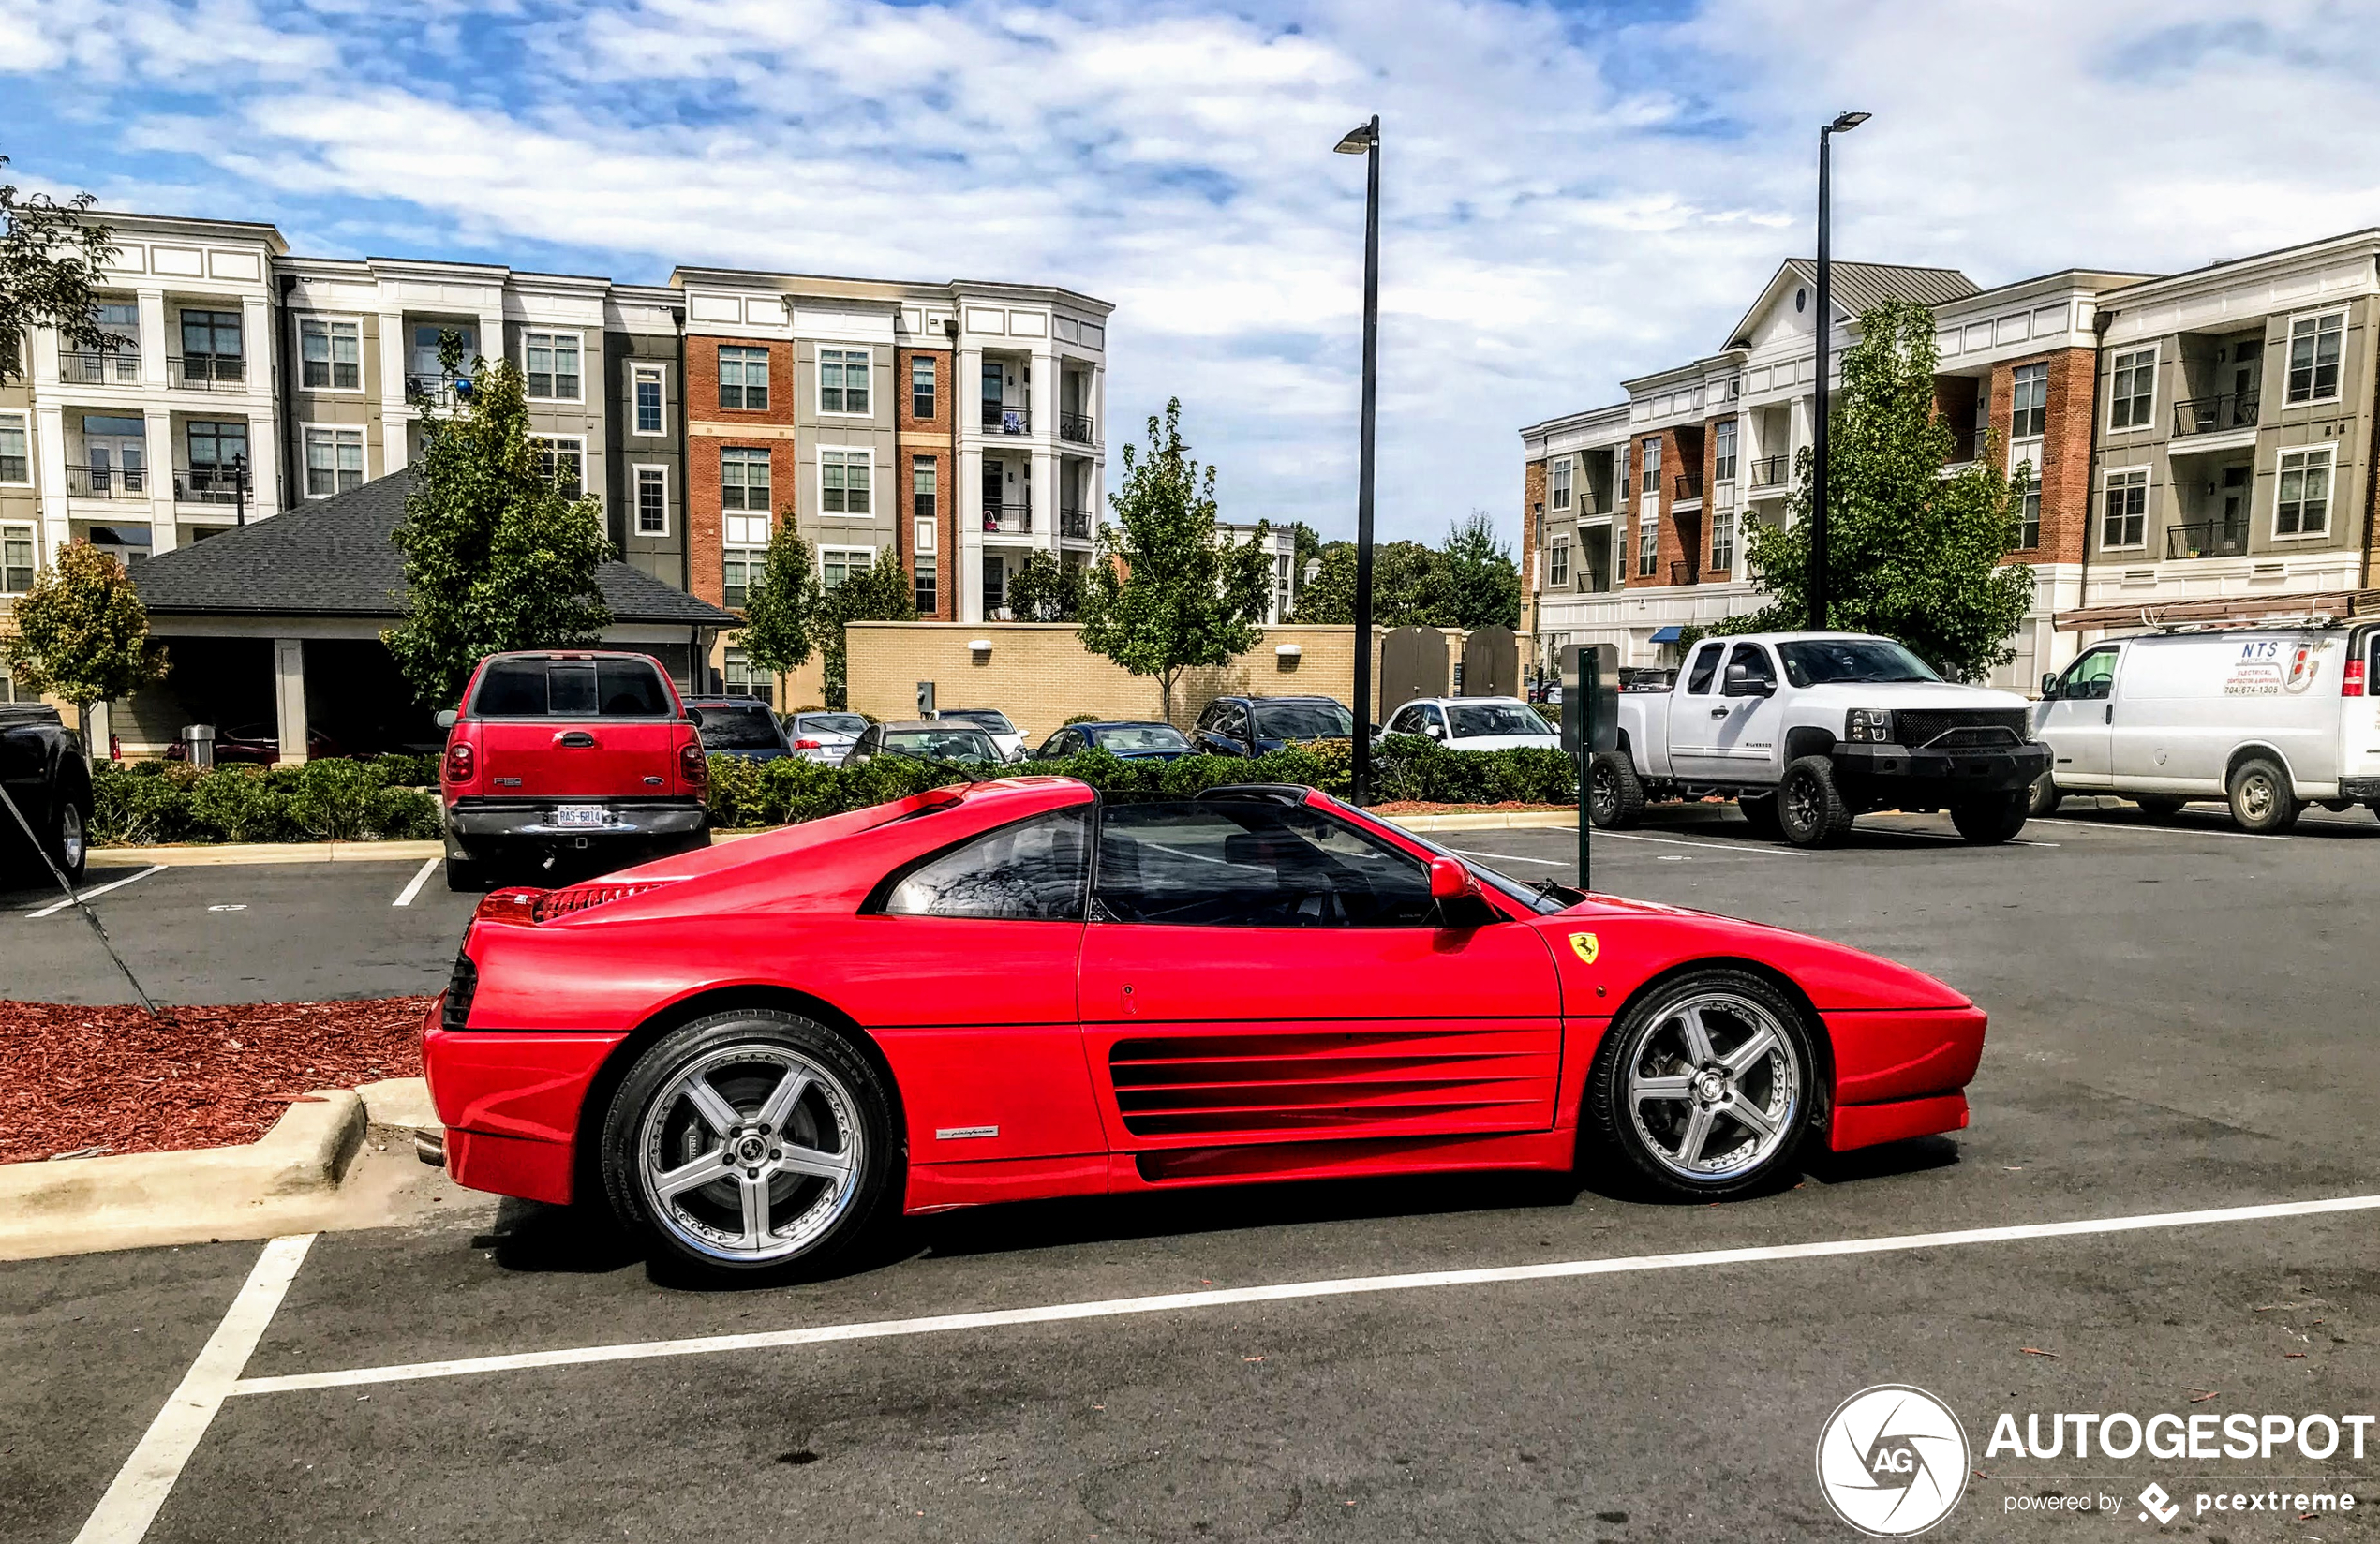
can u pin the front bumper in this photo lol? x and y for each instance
(532, 819)
(1947, 774)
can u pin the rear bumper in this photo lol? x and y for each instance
(512, 1104)
(1945, 774)
(532, 819)
(2366, 789)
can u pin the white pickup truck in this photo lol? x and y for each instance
(1808, 729)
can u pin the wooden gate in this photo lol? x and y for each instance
(1491, 663)
(1412, 665)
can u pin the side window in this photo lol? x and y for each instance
(1756, 663)
(1434, 715)
(1231, 721)
(1031, 871)
(1207, 719)
(1408, 721)
(1706, 668)
(1228, 863)
(2091, 677)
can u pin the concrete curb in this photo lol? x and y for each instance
(199, 856)
(1489, 820)
(61, 1207)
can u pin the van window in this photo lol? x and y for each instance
(2091, 677)
(571, 688)
(1697, 679)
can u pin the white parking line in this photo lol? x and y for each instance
(421, 876)
(1284, 1292)
(1945, 835)
(100, 890)
(140, 1487)
(2158, 830)
(1511, 857)
(1713, 846)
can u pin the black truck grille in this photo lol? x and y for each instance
(1922, 726)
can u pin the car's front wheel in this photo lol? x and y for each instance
(1614, 794)
(1707, 1087)
(1810, 807)
(2045, 796)
(750, 1140)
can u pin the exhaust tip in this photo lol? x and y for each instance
(431, 1148)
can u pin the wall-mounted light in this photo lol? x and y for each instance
(1286, 657)
(978, 645)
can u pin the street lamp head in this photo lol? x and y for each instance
(1359, 139)
(1845, 121)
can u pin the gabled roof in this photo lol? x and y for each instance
(336, 558)
(1859, 286)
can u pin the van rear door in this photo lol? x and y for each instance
(2359, 715)
(589, 727)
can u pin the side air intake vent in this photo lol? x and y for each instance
(1293, 1083)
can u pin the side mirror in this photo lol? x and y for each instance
(446, 718)
(2048, 685)
(1740, 683)
(694, 716)
(1435, 732)
(1450, 881)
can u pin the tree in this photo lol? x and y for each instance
(1168, 592)
(880, 592)
(1475, 581)
(780, 608)
(497, 555)
(51, 259)
(83, 634)
(1046, 590)
(1405, 591)
(1910, 553)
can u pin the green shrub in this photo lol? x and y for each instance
(404, 814)
(333, 798)
(1084, 718)
(236, 804)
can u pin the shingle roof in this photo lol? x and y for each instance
(336, 558)
(1859, 286)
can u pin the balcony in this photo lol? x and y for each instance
(207, 484)
(2208, 539)
(1968, 444)
(2199, 415)
(1771, 472)
(1684, 573)
(1073, 524)
(436, 391)
(107, 482)
(1001, 419)
(1688, 486)
(206, 371)
(1074, 427)
(1007, 519)
(103, 369)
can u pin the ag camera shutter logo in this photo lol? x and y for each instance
(1892, 1461)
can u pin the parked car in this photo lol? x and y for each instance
(1251, 726)
(745, 1053)
(1476, 723)
(741, 727)
(1007, 735)
(1132, 740)
(580, 752)
(254, 745)
(2270, 719)
(824, 736)
(43, 768)
(1807, 730)
(932, 739)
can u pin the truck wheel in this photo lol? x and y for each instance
(1614, 794)
(2158, 806)
(2045, 796)
(2262, 799)
(69, 838)
(464, 875)
(1759, 813)
(1992, 820)
(1810, 807)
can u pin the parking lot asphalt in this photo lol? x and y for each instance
(2180, 1022)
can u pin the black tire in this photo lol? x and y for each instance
(2045, 796)
(1614, 794)
(68, 839)
(1810, 807)
(464, 875)
(1989, 820)
(652, 1124)
(1759, 813)
(2158, 806)
(1647, 1041)
(2262, 798)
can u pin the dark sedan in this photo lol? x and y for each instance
(741, 727)
(1128, 740)
(1251, 726)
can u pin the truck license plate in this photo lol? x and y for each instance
(582, 814)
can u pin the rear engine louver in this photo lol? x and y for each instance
(1293, 1083)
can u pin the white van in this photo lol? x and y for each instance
(2270, 719)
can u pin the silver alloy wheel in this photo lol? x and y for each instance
(70, 838)
(751, 1152)
(1713, 1087)
(2257, 796)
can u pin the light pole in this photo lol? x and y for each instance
(1843, 124)
(1365, 142)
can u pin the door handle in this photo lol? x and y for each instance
(2111, 714)
(1719, 712)
(577, 739)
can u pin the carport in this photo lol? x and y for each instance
(275, 628)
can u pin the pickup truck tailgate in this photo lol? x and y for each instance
(593, 760)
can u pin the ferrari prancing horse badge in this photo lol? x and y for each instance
(1585, 946)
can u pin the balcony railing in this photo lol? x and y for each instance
(1771, 472)
(1968, 445)
(435, 390)
(207, 485)
(1073, 426)
(1009, 519)
(2199, 415)
(1684, 573)
(206, 371)
(1689, 484)
(2208, 539)
(112, 369)
(1074, 524)
(1001, 419)
(107, 482)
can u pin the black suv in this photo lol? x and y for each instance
(41, 762)
(1250, 726)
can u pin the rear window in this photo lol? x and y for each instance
(988, 718)
(1473, 721)
(831, 723)
(571, 688)
(1303, 721)
(741, 729)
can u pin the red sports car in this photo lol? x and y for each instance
(1020, 989)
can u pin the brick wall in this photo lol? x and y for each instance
(707, 437)
(1533, 501)
(2065, 447)
(929, 438)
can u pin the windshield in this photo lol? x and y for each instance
(988, 718)
(1123, 737)
(1824, 661)
(1303, 721)
(944, 745)
(830, 723)
(741, 728)
(1472, 719)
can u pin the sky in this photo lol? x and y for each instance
(1573, 193)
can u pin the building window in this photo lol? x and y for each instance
(561, 462)
(837, 564)
(921, 388)
(743, 567)
(15, 452)
(2313, 357)
(217, 450)
(1653, 467)
(2028, 535)
(1723, 542)
(2125, 521)
(644, 386)
(16, 561)
(334, 461)
(842, 380)
(1557, 562)
(553, 365)
(739, 679)
(922, 475)
(995, 584)
(2030, 394)
(1649, 543)
(924, 584)
(743, 379)
(1625, 461)
(2133, 393)
(844, 478)
(330, 354)
(652, 501)
(2302, 506)
(211, 347)
(743, 478)
(1558, 483)
(1723, 456)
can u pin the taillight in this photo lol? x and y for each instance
(692, 765)
(516, 903)
(810, 745)
(524, 906)
(2353, 685)
(459, 762)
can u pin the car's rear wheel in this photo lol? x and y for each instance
(2157, 806)
(750, 1140)
(1707, 1087)
(1987, 821)
(2262, 798)
(69, 841)
(1614, 794)
(1759, 813)
(1810, 807)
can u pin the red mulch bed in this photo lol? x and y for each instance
(73, 1078)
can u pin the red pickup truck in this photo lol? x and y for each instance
(569, 754)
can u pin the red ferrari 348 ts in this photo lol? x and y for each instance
(1020, 989)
